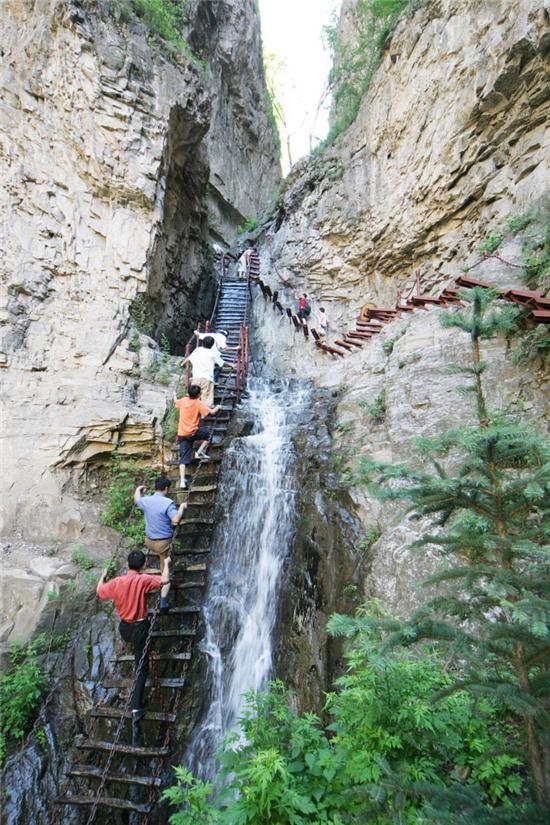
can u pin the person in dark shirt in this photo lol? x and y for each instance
(129, 593)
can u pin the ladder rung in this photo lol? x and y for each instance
(109, 801)
(157, 657)
(106, 712)
(132, 750)
(94, 772)
(124, 683)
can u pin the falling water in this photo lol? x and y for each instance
(250, 546)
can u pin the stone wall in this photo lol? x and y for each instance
(107, 144)
(450, 140)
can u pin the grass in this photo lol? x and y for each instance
(82, 560)
(249, 225)
(125, 476)
(21, 688)
(490, 244)
(376, 410)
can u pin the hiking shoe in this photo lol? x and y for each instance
(200, 455)
(164, 605)
(137, 715)
(184, 485)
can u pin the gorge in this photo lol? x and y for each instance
(129, 162)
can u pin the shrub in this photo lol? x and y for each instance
(249, 225)
(81, 558)
(354, 65)
(385, 734)
(490, 244)
(125, 476)
(164, 19)
(21, 687)
(376, 410)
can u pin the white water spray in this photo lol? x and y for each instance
(250, 546)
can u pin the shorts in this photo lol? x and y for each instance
(186, 443)
(207, 390)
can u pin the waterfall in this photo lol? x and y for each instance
(250, 545)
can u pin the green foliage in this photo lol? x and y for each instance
(270, 112)
(133, 338)
(490, 244)
(519, 222)
(376, 410)
(385, 738)
(164, 19)
(21, 687)
(81, 558)
(125, 476)
(531, 344)
(355, 64)
(141, 317)
(493, 509)
(249, 225)
(372, 534)
(389, 344)
(170, 427)
(536, 248)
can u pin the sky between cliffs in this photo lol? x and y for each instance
(292, 32)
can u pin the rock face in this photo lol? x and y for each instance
(450, 138)
(106, 149)
(450, 142)
(105, 169)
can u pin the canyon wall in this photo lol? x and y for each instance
(108, 142)
(451, 137)
(450, 142)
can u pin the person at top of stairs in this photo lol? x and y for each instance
(189, 430)
(128, 593)
(220, 339)
(203, 360)
(161, 517)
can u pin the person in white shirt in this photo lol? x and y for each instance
(322, 324)
(203, 360)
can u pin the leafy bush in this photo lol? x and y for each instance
(21, 687)
(125, 477)
(249, 225)
(164, 19)
(354, 65)
(141, 318)
(385, 733)
(376, 410)
(81, 558)
(490, 244)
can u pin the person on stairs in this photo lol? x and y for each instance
(203, 360)
(322, 324)
(162, 515)
(191, 409)
(129, 593)
(304, 308)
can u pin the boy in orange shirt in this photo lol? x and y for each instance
(191, 409)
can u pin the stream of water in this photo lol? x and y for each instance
(251, 543)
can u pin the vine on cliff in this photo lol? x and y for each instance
(353, 65)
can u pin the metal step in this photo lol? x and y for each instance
(158, 657)
(108, 801)
(93, 772)
(118, 713)
(126, 683)
(132, 750)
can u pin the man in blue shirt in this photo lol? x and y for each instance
(161, 516)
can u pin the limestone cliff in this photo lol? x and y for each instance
(107, 145)
(451, 136)
(451, 141)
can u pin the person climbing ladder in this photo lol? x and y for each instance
(191, 409)
(162, 515)
(128, 592)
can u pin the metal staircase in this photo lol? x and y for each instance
(115, 768)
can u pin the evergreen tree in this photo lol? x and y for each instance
(492, 515)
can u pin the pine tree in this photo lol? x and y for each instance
(491, 516)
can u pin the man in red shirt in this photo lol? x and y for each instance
(129, 595)
(191, 409)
